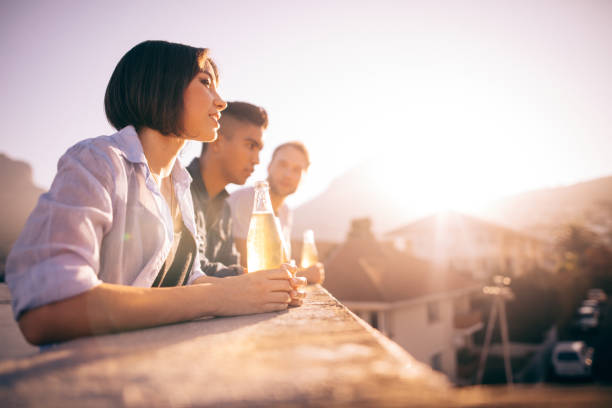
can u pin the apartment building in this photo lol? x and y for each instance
(467, 244)
(422, 307)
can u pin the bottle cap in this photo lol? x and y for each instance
(261, 184)
(308, 235)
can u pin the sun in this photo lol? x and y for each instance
(438, 181)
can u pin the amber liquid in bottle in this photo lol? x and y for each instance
(265, 246)
(309, 250)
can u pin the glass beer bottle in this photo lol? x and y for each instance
(309, 250)
(265, 246)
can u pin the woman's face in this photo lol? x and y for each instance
(201, 106)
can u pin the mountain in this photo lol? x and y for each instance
(18, 196)
(355, 194)
(359, 193)
(541, 211)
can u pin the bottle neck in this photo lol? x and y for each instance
(277, 201)
(308, 237)
(262, 203)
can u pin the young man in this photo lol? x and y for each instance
(229, 159)
(289, 163)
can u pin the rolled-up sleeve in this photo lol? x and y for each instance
(57, 255)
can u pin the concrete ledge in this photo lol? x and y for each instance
(319, 355)
(12, 343)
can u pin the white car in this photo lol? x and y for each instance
(597, 294)
(572, 359)
(592, 303)
(587, 318)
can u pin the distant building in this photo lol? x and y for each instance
(467, 244)
(423, 308)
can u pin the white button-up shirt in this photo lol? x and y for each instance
(103, 220)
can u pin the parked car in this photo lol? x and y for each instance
(587, 318)
(597, 294)
(572, 359)
(592, 303)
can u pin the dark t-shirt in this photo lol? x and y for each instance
(175, 270)
(214, 229)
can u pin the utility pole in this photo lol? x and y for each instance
(501, 293)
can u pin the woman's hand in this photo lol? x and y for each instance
(257, 292)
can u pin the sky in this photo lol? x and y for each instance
(463, 101)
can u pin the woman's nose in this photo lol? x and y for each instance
(220, 104)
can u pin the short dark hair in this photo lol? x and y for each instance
(147, 85)
(296, 145)
(243, 112)
(246, 112)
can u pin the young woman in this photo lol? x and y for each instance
(112, 245)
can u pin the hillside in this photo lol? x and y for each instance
(18, 196)
(354, 194)
(358, 194)
(540, 211)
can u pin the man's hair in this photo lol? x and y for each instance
(147, 86)
(296, 145)
(243, 112)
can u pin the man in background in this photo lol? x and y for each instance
(289, 163)
(229, 159)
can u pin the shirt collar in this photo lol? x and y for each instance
(181, 176)
(196, 174)
(128, 142)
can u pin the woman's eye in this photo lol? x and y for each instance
(206, 82)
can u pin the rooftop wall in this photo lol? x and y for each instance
(318, 355)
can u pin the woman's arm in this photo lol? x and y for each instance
(109, 308)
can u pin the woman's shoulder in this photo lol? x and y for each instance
(101, 157)
(100, 146)
(110, 150)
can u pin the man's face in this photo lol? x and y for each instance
(239, 145)
(286, 170)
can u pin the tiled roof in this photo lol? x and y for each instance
(456, 222)
(363, 269)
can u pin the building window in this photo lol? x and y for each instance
(436, 361)
(374, 319)
(433, 312)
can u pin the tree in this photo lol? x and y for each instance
(584, 262)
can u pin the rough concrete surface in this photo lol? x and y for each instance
(318, 355)
(12, 343)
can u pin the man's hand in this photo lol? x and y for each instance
(297, 282)
(314, 273)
